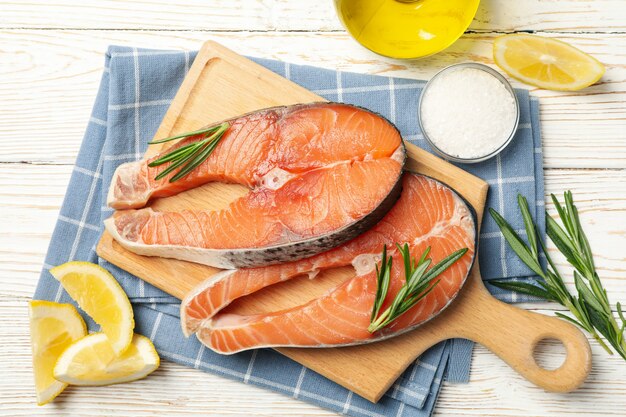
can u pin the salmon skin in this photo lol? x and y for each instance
(320, 174)
(428, 213)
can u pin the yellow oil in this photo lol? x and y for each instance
(406, 28)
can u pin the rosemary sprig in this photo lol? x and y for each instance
(189, 156)
(590, 308)
(206, 130)
(418, 280)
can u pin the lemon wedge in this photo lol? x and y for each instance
(53, 327)
(101, 296)
(92, 361)
(545, 62)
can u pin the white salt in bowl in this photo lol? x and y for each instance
(504, 132)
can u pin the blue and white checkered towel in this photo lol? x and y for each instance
(136, 89)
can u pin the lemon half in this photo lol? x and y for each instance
(53, 327)
(98, 293)
(546, 62)
(92, 361)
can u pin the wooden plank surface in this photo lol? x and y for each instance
(175, 390)
(271, 15)
(583, 129)
(57, 71)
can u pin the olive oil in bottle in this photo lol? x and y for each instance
(406, 28)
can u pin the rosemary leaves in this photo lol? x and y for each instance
(188, 157)
(591, 309)
(418, 283)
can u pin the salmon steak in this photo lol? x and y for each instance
(428, 214)
(319, 174)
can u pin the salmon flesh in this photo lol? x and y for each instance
(319, 175)
(428, 214)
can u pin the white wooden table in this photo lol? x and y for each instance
(51, 56)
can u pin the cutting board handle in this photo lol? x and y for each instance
(513, 334)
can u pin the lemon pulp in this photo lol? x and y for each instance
(92, 361)
(98, 293)
(546, 62)
(406, 29)
(53, 327)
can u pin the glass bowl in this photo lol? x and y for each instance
(508, 87)
(406, 29)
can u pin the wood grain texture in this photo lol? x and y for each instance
(56, 73)
(583, 129)
(175, 390)
(266, 15)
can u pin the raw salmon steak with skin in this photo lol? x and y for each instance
(320, 174)
(428, 214)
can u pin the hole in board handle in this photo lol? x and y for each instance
(549, 353)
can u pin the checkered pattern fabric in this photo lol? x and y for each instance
(137, 87)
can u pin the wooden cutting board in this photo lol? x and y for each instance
(222, 84)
